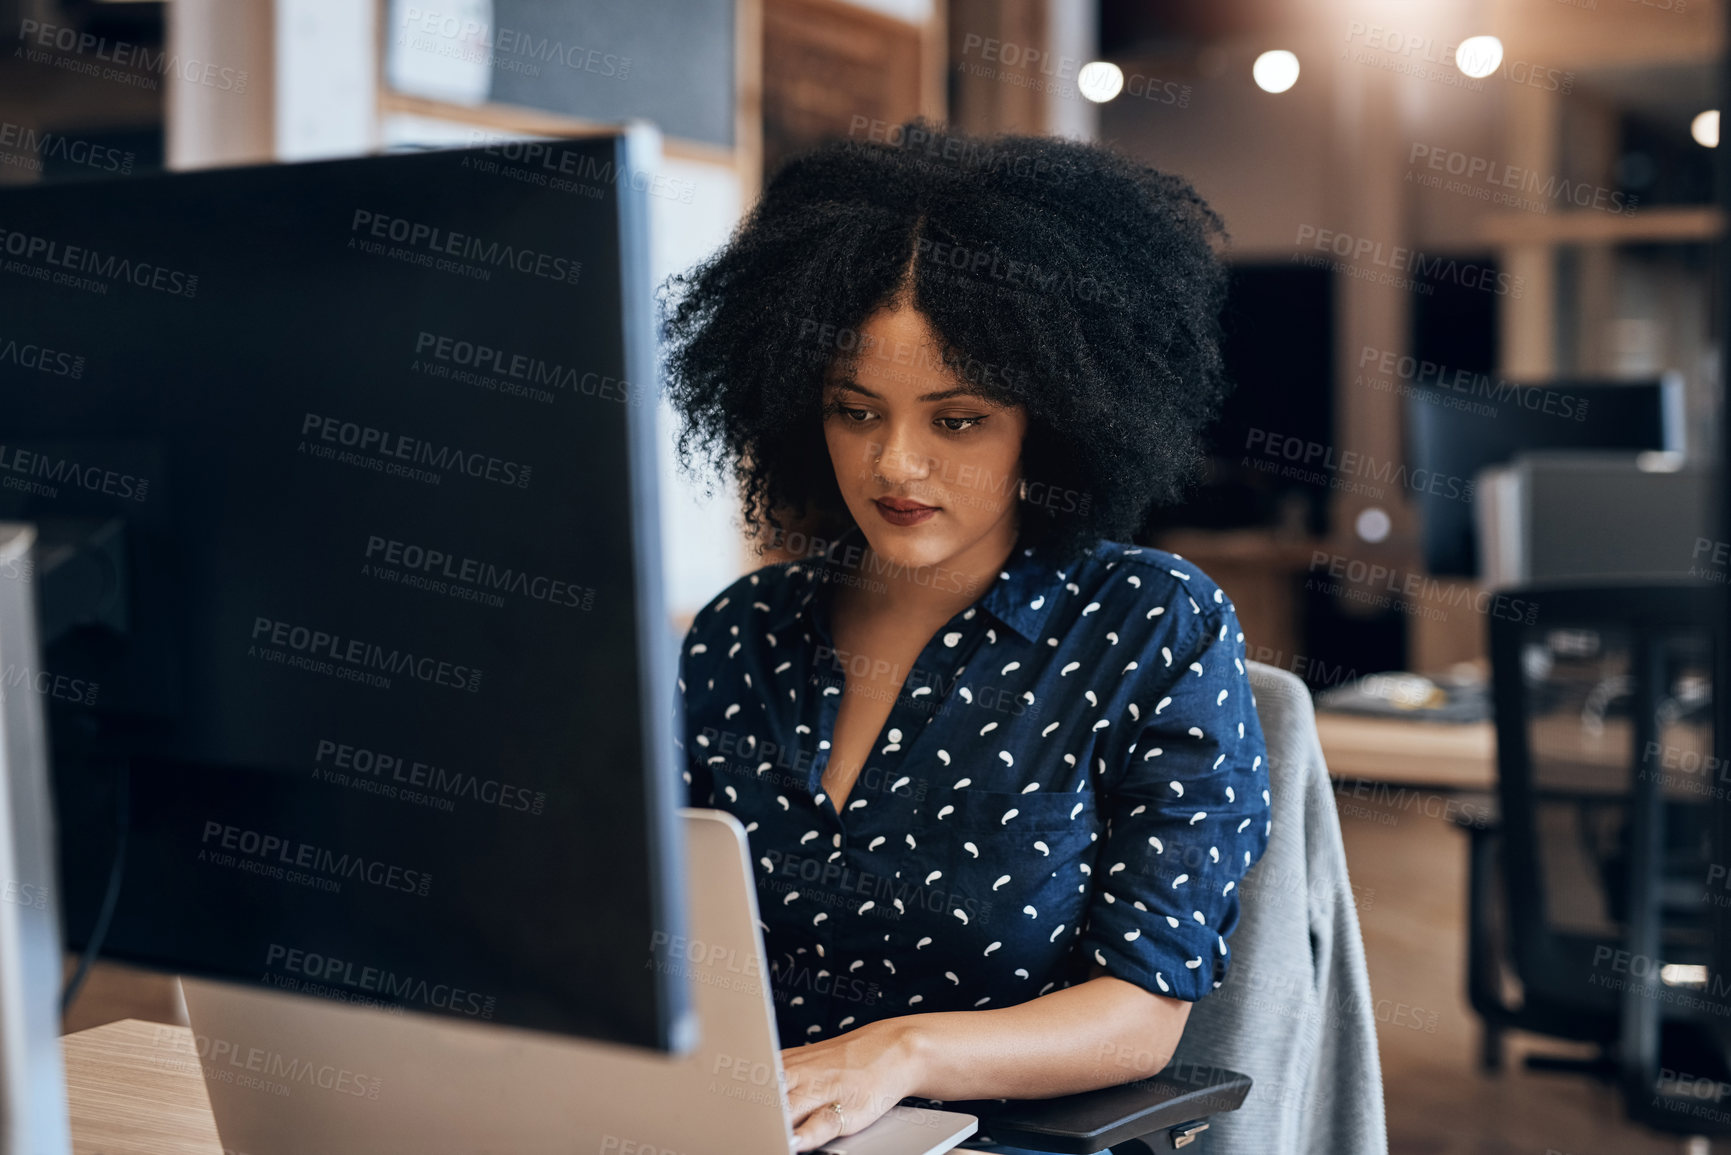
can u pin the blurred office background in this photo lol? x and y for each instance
(1474, 325)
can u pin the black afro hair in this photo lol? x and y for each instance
(1059, 275)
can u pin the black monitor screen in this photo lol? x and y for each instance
(1475, 421)
(366, 449)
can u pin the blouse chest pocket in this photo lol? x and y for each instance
(972, 829)
(1013, 867)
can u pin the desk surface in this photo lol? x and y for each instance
(1457, 755)
(134, 1088)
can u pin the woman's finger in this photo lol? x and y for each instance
(818, 1128)
(802, 1103)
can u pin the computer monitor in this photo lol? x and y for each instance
(353, 628)
(1455, 430)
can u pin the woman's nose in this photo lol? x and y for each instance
(899, 459)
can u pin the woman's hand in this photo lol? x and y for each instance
(867, 1070)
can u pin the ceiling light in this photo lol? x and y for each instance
(1100, 81)
(1479, 56)
(1275, 71)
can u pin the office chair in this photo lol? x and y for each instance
(1590, 898)
(1252, 1072)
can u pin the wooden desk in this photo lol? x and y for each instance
(1464, 756)
(134, 1088)
(1457, 756)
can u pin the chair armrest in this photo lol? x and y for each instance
(1093, 1121)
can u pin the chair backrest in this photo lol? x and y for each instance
(1607, 779)
(1294, 1012)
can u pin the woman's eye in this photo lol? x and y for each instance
(967, 423)
(855, 414)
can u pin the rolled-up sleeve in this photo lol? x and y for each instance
(1187, 813)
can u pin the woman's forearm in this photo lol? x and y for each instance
(1098, 1033)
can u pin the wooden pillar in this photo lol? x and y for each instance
(1528, 323)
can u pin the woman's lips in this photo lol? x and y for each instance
(913, 514)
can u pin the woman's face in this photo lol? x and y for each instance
(906, 430)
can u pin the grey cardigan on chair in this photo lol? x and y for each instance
(1294, 1012)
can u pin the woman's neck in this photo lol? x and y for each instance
(932, 593)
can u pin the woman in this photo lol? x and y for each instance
(1000, 769)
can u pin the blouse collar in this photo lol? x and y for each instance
(1023, 594)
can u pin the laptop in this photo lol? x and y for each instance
(289, 1074)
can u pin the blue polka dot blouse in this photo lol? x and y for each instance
(1073, 773)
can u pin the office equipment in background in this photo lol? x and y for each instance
(1596, 887)
(1451, 437)
(421, 1086)
(350, 577)
(1603, 517)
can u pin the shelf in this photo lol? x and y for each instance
(1671, 223)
